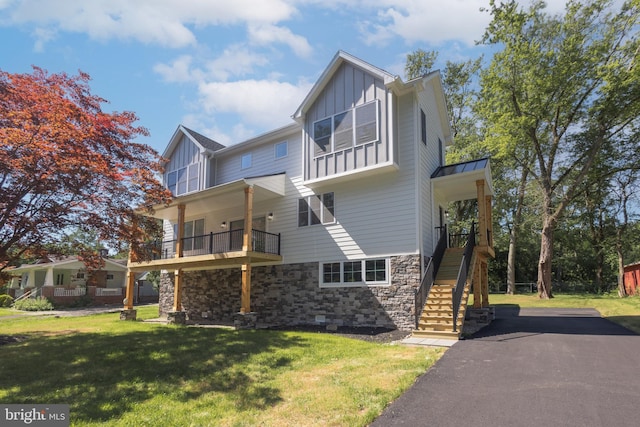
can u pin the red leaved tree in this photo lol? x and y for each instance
(66, 165)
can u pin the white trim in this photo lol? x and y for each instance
(363, 272)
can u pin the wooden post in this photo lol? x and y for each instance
(482, 212)
(489, 215)
(245, 302)
(180, 236)
(131, 280)
(477, 285)
(248, 215)
(177, 291)
(246, 289)
(485, 282)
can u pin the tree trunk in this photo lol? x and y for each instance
(546, 257)
(511, 262)
(513, 234)
(622, 292)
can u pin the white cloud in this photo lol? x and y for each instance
(269, 34)
(236, 60)
(179, 71)
(164, 22)
(264, 103)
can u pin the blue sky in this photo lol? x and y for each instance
(229, 69)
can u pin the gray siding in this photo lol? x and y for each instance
(186, 153)
(349, 87)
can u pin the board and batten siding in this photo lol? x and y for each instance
(349, 87)
(429, 162)
(186, 153)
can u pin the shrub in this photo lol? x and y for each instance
(34, 304)
(6, 300)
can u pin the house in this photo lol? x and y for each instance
(333, 219)
(631, 278)
(65, 279)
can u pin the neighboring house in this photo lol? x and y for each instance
(333, 219)
(631, 278)
(64, 279)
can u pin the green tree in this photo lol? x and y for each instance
(560, 88)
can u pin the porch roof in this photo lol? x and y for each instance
(224, 196)
(457, 181)
(71, 263)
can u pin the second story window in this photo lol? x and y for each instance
(347, 129)
(184, 180)
(423, 127)
(245, 162)
(316, 209)
(281, 150)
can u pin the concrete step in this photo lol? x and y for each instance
(436, 334)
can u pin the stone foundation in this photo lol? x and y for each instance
(177, 318)
(128, 314)
(245, 320)
(290, 294)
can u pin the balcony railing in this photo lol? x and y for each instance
(212, 243)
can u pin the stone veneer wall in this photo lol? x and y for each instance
(289, 294)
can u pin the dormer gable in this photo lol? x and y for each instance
(347, 120)
(189, 161)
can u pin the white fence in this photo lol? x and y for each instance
(62, 292)
(108, 292)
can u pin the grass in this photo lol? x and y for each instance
(624, 311)
(5, 311)
(133, 373)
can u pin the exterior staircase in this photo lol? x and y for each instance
(437, 320)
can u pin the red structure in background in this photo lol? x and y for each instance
(632, 278)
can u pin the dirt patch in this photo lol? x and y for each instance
(371, 334)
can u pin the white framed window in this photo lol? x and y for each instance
(373, 271)
(316, 209)
(80, 275)
(193, 234)
(423, 127)
(59, 279)
(281, 149)
(109, 276)
(245, 161)
(347, 129)
(184, 180)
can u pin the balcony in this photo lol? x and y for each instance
(213, 250)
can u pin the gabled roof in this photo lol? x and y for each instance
(339, 58)
(206, 145)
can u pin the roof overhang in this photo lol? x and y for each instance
(223, 196)
(68, 264)
(457, 182)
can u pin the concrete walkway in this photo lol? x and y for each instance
(530, 367)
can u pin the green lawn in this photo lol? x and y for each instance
(120, 373)
(9, 312)
(625, 311)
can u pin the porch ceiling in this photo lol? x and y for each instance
(453, 183)
(224, 196)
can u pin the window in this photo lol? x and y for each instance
(184, 180)
(245, 162)
(109, 276)
(193, 236)
(347, 129)
(316, 209)
(440, 156)
(331, 272)
(59, 279)
(281, 150)
(80, 275)
(360, 272)
(423, 127)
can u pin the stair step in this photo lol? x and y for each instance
(436, 334)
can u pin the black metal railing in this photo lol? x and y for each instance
(212, 243)
(422, 293)
(458, 291)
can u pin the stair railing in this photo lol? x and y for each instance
(458, 291)
(429, 276)
(27, 294)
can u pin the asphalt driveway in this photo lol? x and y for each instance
(530, 367)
